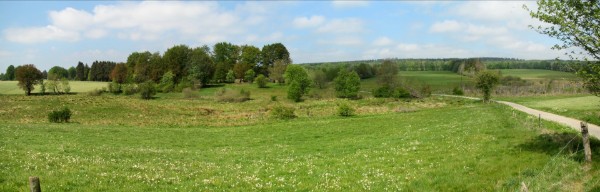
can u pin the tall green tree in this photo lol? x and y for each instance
(72, 72)
(138, 66)
(201, 65)
(177, 59)
(119, 73)
(271, 53)
(80, 72)
(225, 56)
(58, 72)
(250, 56)
(10, 73)
(276, 72)
(28, 76)
(347, 84)
(575, 24)
(387, 74)
(298, 82)
(486, 81)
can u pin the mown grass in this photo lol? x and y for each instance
(11, 87)
(536, 74)
(455, 146)
(583, 107)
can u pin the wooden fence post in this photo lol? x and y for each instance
(586, 142)
(34, 184)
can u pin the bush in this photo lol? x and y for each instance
(273, 97)
(457, 91)
(261, 81)
(426, 91)
(96, 92)
(189, 93)
(114, 88)
(167, 82)
(383, 92)
(401, 92)
(60, 116)
(65, 86)
(147, 90)
(283, 112)
(129, 89)
(347, 84)
(226, 95)
(345, 110)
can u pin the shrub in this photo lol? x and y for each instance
(185, 83)
(345, 110)
(273, 97)
(129, 89)
(147, 89)
(383, 92)
(486, 81)
(65, 86)
(457, 91)
(347, 84)
(189, 93)
(283, 112)
(167, 82)
(401, 92)
(226, 95)
(426, 91)
(96, 92)
(261, 81)
(60, 116)
(114, 88)
(299, 83)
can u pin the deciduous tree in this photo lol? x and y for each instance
(298, 82)
(575, 24)
(347, 84)
(28, 76)
(486, 81)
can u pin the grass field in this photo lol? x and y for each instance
(536, 74)
(11, 88)
(583, 107)
(118, 143)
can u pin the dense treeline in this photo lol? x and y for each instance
(225, 62)
(453, 64)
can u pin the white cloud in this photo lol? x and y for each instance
(348, 25)
(313, 21)
(493, 10)
(39, 34)
(349, 3)
(71, 19)
(445, 26)
(148, 20)
(383, 41)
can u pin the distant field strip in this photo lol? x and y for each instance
(11, 87)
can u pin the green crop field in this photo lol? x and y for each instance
(536, 74)
(11, 87)
(122, 143)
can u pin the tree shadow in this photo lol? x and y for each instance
(213, 85)
(570, 143)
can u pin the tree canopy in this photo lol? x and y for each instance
(28, 76)
(575, 24)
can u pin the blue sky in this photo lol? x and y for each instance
(61, 33)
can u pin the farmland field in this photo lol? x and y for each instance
(117, 143)
(10, 87)
(535, 74)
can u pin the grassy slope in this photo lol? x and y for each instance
(11, 88)
(432, 149)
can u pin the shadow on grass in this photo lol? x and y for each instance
(570, 144)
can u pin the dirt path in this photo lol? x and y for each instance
(594, 130)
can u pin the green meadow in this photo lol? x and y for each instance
(178, 142)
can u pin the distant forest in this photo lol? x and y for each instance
(453, 64)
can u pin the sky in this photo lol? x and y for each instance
(62, 33)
